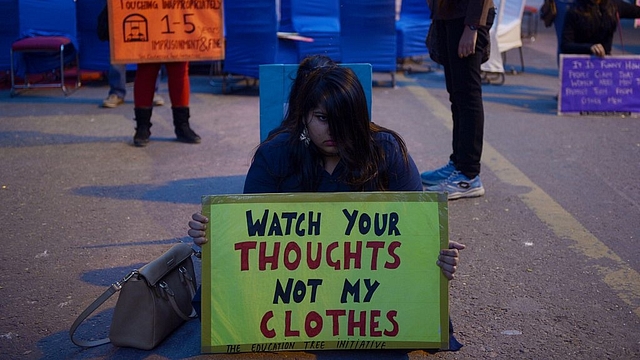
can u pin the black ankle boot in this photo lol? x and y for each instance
(143, 126)
(182, 128)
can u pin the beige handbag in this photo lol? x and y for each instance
(153, 302)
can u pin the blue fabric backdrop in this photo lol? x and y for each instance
(9, 30)
(368, 33)
(94, 54)
(45, 18)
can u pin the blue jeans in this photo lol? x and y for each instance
(117, 77)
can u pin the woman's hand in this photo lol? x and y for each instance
(467, 44)
(598, 50)
(448, 259)
(197, 228)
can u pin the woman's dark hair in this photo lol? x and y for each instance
(307, 65)
(603, 13)
(338, 91)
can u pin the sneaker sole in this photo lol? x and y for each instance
(111, 105)
(466, 194)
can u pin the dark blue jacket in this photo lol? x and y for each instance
(271, 172)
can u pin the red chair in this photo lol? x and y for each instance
(47, 48)
(54, 45)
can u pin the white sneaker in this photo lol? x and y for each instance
(157, 100)
(112, 101)
(458, 186)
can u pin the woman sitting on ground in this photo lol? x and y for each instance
(327, 143)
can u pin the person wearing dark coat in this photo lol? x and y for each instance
(589, 25)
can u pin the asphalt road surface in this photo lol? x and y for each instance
(551, 269)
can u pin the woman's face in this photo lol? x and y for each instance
(318, 127)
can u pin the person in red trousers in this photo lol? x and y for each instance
(179, 91)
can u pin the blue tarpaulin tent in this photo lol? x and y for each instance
(368, 33)
(75, 19)
(412, 28)
(319, 20)
(45, 18)
(94, 53)
(9, 31)
(251, 30)
(346, 30)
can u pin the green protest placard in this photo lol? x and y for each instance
(324, 271)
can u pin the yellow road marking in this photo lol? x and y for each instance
(621, 278)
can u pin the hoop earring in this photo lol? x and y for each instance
(304, 136)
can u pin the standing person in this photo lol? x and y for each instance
(326, 143)
(461, 42)
(117, 76)
(179, 92)
(589, 26)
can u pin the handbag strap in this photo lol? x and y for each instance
(192, 292)
(114, 288)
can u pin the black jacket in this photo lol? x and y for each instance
(588, 23)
